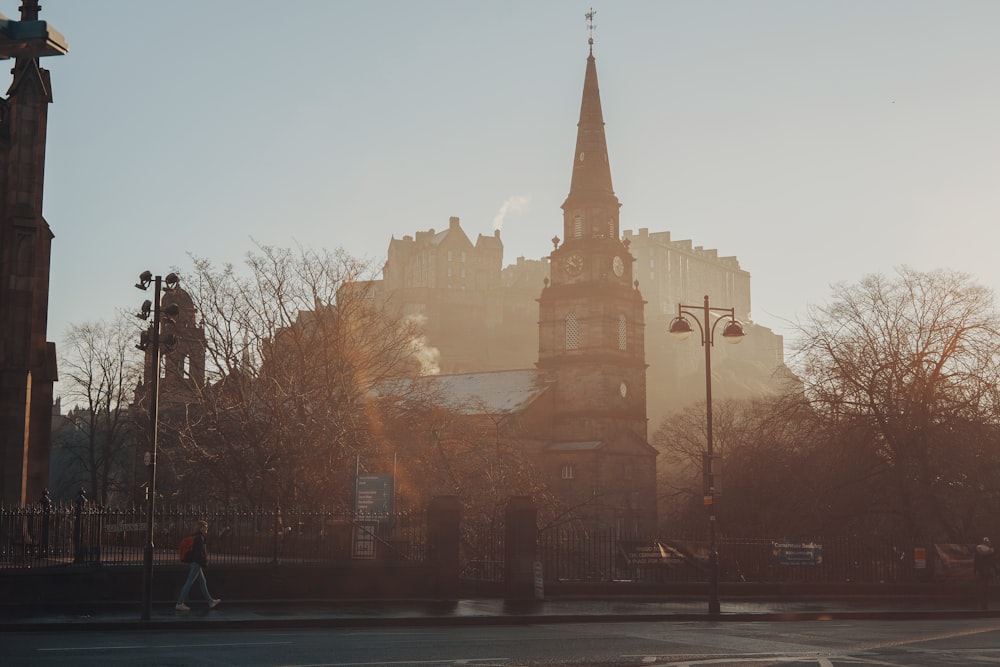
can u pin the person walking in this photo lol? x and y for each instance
(197, 557)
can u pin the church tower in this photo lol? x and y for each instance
(591, 329)
(27, 360)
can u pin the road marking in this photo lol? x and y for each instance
(670, 661)
(146, 646)
(478, 662)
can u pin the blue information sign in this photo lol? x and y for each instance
(374, 496)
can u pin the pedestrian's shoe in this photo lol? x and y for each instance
(180, 606)
(214, 603)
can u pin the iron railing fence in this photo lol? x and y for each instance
(481, 554)
(580, 555)
(51, 534)
(57, 534)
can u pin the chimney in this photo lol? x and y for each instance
(453, 222)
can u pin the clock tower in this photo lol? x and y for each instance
(591, 329)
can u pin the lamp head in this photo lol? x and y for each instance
(680, 328)
(143, 341)
(147, 306)
(171, 281)
(170, 311)
(733, 333)
(145, 278)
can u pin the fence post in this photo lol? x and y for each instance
(444, 517)
(279, 534)
(46, 502)
(79, 550)
(521, 548)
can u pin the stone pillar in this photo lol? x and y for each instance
(444, 517)
(521, 548)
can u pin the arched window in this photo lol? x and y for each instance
(622, 332)
(572, 332)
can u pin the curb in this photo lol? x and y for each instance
(310, 622)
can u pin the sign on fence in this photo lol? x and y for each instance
(796, 553)
(374, 496)
(539, 582)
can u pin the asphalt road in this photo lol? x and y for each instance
(929, 643)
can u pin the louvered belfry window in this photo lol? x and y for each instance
(572, 332)
(622, 332)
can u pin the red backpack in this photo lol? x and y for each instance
(186, 550)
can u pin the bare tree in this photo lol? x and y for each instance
(99, 367)
(483, 458)
(909, 366)
(295, 347)
(782, 470)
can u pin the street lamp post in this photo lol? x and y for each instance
(733, 332)
(151, 339)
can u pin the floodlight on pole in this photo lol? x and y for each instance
(150, 339)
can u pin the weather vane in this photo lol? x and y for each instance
(590, 27)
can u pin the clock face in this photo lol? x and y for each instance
(623, 388)
(618, 265)
(574, 265)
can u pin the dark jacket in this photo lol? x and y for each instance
(199, 554)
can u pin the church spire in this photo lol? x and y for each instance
(591, 171)
(591, 192)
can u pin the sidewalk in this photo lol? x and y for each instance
(345, 613)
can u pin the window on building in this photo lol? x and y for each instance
(572, 332)
(578, 226)
(622, 332)
(186, 366)
(567, 471)
(449, 255)
(463, 255)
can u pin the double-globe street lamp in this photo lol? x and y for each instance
(151, 340)
(733, 332)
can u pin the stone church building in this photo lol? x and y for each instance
(557, 345)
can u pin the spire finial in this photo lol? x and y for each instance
(29, 10)
(590, 28)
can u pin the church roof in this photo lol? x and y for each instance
(492, 393)
(577, 446)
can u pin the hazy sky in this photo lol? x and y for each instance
(815, 141)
